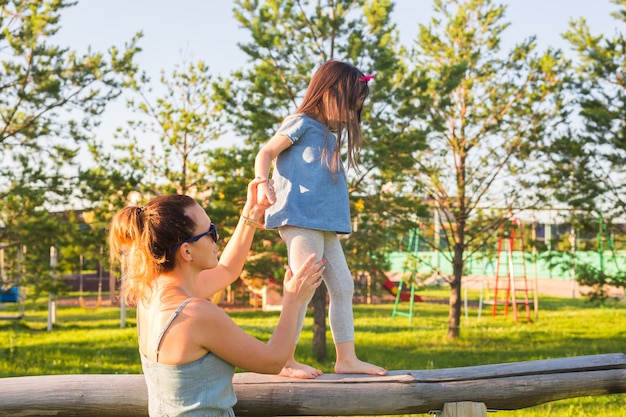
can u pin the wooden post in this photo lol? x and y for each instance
(464, 409)
(52, 298)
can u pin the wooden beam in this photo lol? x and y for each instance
(507, 386)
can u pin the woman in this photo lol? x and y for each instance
(189, 347)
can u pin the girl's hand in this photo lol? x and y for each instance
(305, 281)
(256, 189)
(266, 195)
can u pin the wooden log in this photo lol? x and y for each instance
(74, 395)
(507, 386)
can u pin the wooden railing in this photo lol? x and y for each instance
(455, 392)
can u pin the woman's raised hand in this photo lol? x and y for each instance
(303, 283)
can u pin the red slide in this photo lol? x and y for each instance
(392, 287)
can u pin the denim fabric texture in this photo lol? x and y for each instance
(308, 194)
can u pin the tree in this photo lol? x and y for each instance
(289, 40)
(482, 111)
(585, 170)
(50, 99)
(165, 149)
(181, 123)
(593, 153)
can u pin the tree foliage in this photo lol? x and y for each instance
(586, 162)
(180, 120)
(592, 155)
(50, 100)
(483, 111)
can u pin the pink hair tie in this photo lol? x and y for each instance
(364, 79)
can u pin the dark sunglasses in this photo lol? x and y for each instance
(211, 232)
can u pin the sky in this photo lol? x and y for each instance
(206, 29)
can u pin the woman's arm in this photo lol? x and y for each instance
(229, 342)
(236, 250)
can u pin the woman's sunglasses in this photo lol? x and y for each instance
(211, 232)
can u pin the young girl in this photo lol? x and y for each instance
(311, 201)
(189, 347)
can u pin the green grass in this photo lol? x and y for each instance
(92, 341)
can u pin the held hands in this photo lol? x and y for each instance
(266, 195)
(305, 281)
(256, 204)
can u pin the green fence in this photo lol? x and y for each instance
(553, 264)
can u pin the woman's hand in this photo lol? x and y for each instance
(305, 281)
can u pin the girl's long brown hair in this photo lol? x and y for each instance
(340, 83)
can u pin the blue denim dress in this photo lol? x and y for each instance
(308, 194)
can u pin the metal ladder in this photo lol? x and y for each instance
(515, 276)
(412, 254)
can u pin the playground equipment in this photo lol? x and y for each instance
(11, 289)
(603, 234)
(453, 391)
(489, 266)
(409, 276)
(515, 276)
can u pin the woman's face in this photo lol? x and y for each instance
(204, 250)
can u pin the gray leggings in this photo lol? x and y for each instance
(303, 242)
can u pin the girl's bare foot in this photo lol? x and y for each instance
(357, 366)
(293, 369)
(348, 363)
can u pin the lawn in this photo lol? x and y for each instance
(93, 341)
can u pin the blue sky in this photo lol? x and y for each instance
(206, 30)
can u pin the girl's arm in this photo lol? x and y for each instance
(262, 164)
(236, 250)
